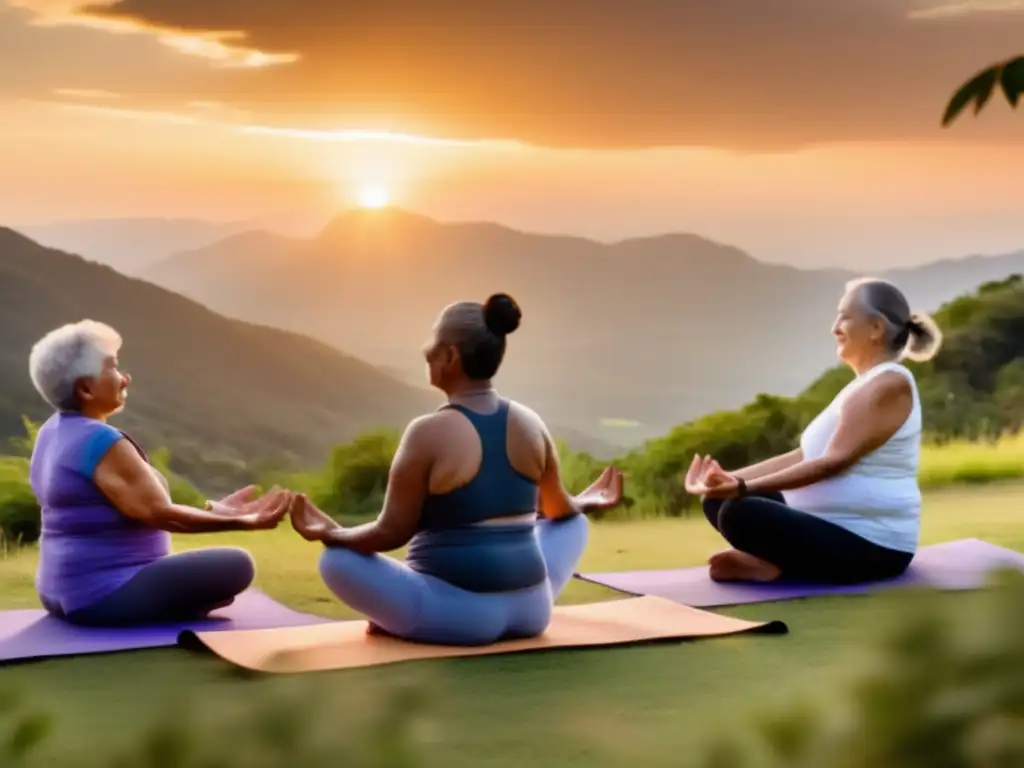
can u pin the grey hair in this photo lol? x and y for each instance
(908, 335)
(462, 323)
(479, 332)
(67, 354)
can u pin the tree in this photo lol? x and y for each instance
(1009, 75)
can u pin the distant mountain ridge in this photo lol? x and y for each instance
(655, 330)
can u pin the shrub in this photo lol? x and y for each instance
(19, 510)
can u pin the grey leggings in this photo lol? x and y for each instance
(174, 588)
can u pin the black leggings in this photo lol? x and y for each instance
(802, 546)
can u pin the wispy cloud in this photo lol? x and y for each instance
(88, 94)
(967, 8)
(218, 116)
(225, 48)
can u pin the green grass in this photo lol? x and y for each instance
(656, 704)
(972, 462)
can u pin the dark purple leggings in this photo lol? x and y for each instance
(174, 588)
(802, 546)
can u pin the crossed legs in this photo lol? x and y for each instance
(416, 606)
(177, 587)
(771, 540)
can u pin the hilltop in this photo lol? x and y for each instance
(220, 393)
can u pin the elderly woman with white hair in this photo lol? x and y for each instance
(464, 492)
(844, 507)
(105, 549)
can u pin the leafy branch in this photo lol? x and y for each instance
(1008, 75)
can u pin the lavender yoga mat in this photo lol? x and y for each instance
(951, 566)
(33, 634)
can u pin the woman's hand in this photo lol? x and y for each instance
(232, 504)
(260, 514)
(308, 521)
(721, 485)
(704, 472)
(604, 493)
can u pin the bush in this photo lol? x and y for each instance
(351, 488)
(19, 510)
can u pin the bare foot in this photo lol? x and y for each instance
(733, 565)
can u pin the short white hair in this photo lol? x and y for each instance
(69, 353)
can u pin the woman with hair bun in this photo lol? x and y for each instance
(844, 507)
(475, 491)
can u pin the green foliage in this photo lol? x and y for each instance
(1008, 75)
(945, 689)
(352, 486)
(19, 510)
(24, 444)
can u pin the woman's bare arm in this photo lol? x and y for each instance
(770, 466)
(127, 480)
(867, 420)
(408, 485)
(555, 501)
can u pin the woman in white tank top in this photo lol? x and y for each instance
(845, 506)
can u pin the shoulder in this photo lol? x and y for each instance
(891, 386)
(425, 432)
(525, 415)
(98, 439)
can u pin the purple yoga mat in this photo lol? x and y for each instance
(32, 634)
(952, 565)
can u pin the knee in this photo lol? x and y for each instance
(577, 526)
(732, 513)
(712, 511)
(337, 564)
(238, 567)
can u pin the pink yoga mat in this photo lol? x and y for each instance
(33, 634)
(953, 565)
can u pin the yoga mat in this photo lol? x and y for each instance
(33, 634)
(950, 566)
(345, 644)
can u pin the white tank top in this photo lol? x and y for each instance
(878, 498)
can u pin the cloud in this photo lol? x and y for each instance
(224, 48)
(87, 94)
(967, 8)
(747, 75)
(221, 117)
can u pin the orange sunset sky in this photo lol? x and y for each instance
(805, 131)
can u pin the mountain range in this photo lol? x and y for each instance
(619, 341)
(218, 392)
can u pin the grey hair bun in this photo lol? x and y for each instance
(502, 314)
(925, 338)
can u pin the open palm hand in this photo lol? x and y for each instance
(263, 513)
(604, 493)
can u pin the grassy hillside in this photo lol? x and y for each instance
(220, 393)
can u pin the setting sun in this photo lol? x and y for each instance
(374, 196)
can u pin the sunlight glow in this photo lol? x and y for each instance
(373, 196)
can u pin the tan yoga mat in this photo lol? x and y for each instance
(345, 644)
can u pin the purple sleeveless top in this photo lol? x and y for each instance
(87, 549)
